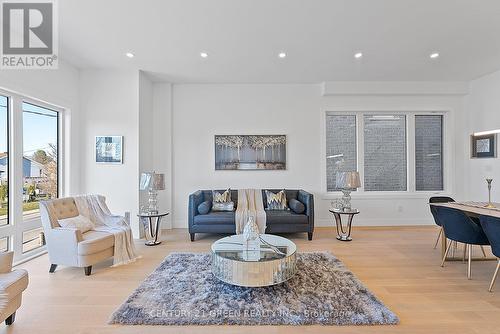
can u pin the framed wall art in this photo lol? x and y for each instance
(109, 149)
(484, 146)
(250, 152)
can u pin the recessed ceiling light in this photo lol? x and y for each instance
(130, 55)
(282, 55)
(358, 55)
(203, 54)
(434, 55)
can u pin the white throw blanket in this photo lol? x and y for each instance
(250, 204)
(94, 207)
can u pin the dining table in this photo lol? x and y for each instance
(471, 209)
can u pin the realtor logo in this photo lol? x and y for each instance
(29, 36)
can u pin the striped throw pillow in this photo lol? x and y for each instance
(276, 201)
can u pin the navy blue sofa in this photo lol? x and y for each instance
(276, 221)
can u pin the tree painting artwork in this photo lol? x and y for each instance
(250, 152)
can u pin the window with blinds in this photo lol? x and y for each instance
(393, 152)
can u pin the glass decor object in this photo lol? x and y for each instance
(489, 205)
(251, 240)
(347, 182)
(152, 182)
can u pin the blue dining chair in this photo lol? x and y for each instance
(459, 227)
(438, 199)
(491, 227)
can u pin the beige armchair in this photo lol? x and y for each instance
(71, 247)
(13, 282)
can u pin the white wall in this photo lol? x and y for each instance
(110, 106)
(146, 136)
(61, 88)
(483, 113)
(201, 111)
(162, 145)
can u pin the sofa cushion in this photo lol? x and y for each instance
(62, 208)
(204, 207)
(285, 217)
(215, 217)
(95, 242)
(79, 222)
(296, 206)
(14, 282)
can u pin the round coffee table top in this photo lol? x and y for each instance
(272, 247)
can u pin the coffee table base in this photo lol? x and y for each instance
(253, 274)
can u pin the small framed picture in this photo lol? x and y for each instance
(109, 149)
(484, 146)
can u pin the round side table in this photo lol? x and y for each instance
(341, 234)
(154, 227)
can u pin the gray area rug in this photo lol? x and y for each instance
(183, 291)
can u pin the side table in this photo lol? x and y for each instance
(154, 227)
(341, 234)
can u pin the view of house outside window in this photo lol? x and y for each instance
(40, 166)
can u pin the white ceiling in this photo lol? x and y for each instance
(243, 38)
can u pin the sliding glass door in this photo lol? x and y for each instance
(40, 169)
(4, 173)
(29, 171)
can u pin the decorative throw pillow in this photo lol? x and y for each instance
(228, 206)
(204, 207)
(222, 201)
(276, 201)
(79, 222)
(296, 206)
(218, 197)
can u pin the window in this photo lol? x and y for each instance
(33, 239)
(393, 152)
(429, 152)
(340, 147)
(29, 163)
(4, 166)
(385, 152)
(4, 244)
(40, 167)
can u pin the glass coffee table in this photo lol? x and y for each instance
(273, 264)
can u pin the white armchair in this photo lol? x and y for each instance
(13, 282)
(71, 247)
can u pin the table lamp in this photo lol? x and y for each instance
(347, 182)
(152, 182)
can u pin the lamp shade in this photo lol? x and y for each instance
(152, 181)
(348, 180)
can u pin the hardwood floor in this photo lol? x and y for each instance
(398, 264)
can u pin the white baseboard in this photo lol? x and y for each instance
(356, 222)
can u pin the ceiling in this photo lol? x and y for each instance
(244, 37)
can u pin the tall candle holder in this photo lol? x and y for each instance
(489, 205)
